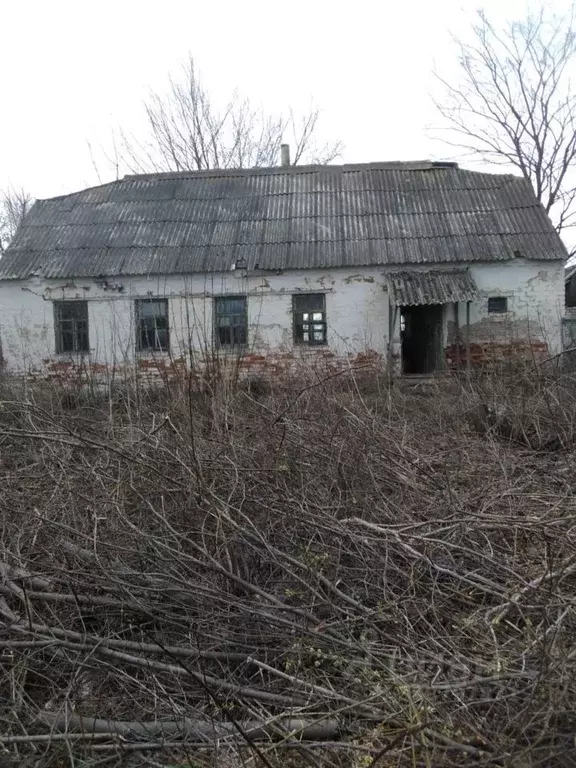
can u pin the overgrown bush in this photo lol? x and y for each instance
(338, 575)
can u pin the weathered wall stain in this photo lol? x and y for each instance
(359, 279)
(357, 306)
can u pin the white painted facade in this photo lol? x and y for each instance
(358, 312)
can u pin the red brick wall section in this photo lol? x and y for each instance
(276, 364)
(491, 353)
(269, 366)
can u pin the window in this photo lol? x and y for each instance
(230, 321)
(309, 318)
(152, 325)
(497, 304)
(71, 324)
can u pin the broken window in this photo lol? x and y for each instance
(153, 334)
(71, 325)
(498, 304)
(231, 321)
(309, 311)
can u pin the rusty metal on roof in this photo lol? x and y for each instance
(437, 286)
(283, 218)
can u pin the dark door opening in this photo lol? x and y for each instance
(421, 333)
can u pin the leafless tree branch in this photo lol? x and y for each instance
(14, 205)
(514, 103)
(187, 130)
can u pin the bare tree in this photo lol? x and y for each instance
(186, 130)
(14, 205)
(514, 103)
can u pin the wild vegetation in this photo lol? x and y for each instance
(335, 574)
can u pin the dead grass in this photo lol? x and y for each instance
(396, 570)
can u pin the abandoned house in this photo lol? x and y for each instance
(420, 265)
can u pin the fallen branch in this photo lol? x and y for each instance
(304, 729)
(45, 638)
(36, 738)
(180, 671)
(80, 637)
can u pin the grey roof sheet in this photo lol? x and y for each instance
(437, 286)
(283, 218)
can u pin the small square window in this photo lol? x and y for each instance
(497, 304)
(231, 321)
(309, 312)
(153, 333)
(71, 326)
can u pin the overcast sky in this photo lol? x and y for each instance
(73, 70)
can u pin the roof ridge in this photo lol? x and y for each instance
(392, 165)
(77, 192)
(385, 165)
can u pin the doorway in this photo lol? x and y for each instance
(421, 334)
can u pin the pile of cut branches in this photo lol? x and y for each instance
(323, 577)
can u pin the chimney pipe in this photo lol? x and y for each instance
(285, 155)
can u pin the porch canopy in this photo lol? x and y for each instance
(435, 286)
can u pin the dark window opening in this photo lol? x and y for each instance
(71, 322)
(309, 311)
(571, 291)
(231, 321)
(153, 334)
(498, 304)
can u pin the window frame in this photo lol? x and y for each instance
(494, 310)
(298, 321)
(218, 314)
(155, 347)
(77, 333)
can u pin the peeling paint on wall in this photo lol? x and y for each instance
(357, 305)
(359, 279)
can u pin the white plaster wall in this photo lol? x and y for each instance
(536, 299)
(356, 303)
(356, 306)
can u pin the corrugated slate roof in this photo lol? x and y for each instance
(437, 286)
(283, 218)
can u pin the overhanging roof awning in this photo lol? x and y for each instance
(431, 287)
